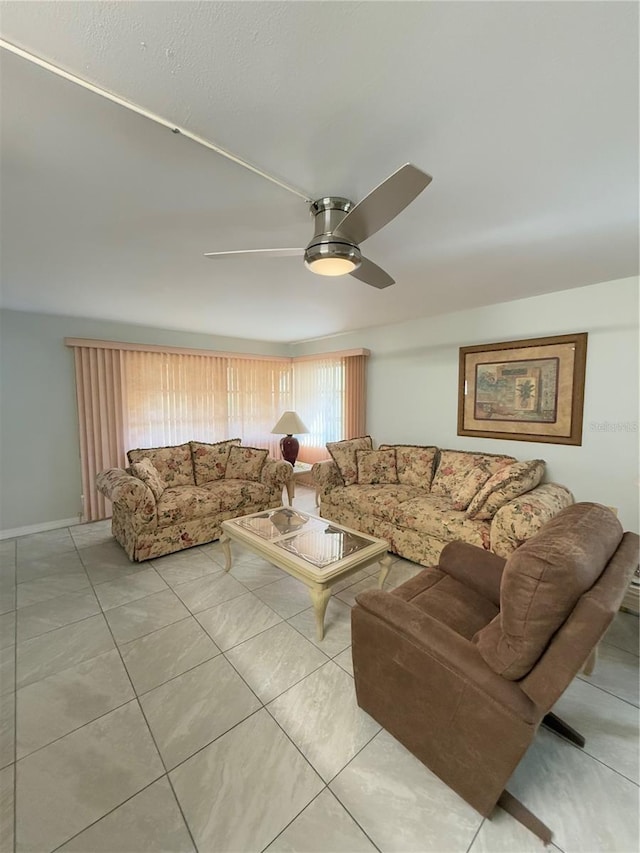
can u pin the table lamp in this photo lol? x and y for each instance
(289, 445)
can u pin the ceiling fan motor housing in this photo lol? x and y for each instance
(328, 213)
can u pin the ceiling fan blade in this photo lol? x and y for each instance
(274, 253)
(372, 274)
(383, 203)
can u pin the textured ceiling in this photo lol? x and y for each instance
(526, 115)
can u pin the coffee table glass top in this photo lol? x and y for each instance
(309, 538)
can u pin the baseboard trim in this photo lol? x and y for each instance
(39, 528)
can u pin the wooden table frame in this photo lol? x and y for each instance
(319, 580)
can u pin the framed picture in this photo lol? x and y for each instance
(529, 390)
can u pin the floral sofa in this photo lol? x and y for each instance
(172, 498)
(419, 498)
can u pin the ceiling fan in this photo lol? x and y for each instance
(340, 227)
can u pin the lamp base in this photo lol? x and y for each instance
(289, 447)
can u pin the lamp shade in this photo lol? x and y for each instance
(289, 424)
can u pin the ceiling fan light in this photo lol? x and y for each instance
(332, 258)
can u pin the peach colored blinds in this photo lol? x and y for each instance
(102, 440)
(330, 397)
(171, 398)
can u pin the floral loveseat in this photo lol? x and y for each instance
(176, 497)
(419, 498)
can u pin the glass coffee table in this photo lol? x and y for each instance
(313, 550)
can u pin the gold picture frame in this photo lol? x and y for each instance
(529, 390)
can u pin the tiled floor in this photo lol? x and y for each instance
(169, 706)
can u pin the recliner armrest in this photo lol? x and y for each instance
(447, 648)
(474, 567)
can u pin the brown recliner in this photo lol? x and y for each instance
(463, 662)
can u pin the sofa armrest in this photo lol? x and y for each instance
(474, 567)
(521, 518)
(275, 475)
(130, 495)
(446, 648)
(326, 476)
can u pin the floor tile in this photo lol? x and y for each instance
(323, 826)
(345, 660)
(54, 706)
(92, 533)
(193, 709)
(7, 670)
(108, 561)
(6, 808)
(321, 716)
(287, 597)
(275, 660)
(68, 563)
(401, 571)
(350, 580)
(37, 619)
(7, 630)
(254, 574)
(348, 595)
(150, 822)
(157, 657)
(7, 598)
(116, 593)
(7, 729)
(401, 805)
(208, 591)
(69, 784)
(43, 656)
(609, 724)
(185, 566)
(52, 586)
(43, 544)
(337, 627)
(624, 632)
(7, 553)
(241, 791)
(145, 615)
(617, 672)
(504, 834)
(572, 792)
(237, 620)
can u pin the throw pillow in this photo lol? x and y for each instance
(245, 463)
(415, 464)
(146, 471)
(343, 454)
(454, 466)
(469, 487)
(505, 485)
(172, 463)
(210, 460)
(376, 466)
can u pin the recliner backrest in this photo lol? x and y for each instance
(542, 582)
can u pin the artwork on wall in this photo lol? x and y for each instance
(530, 390)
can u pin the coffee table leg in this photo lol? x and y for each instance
(385, 565)
(320, 597)
(226, 549)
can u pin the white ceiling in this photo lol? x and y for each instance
(525, 113)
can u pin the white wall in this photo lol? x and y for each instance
(413, 383)
(40, 479)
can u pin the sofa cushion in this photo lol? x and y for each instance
(463, 494)
(146, 471)
(184, 503)
(343, 454)
(210, 460)
(542, 582)
(415, 464)
(376, 466)
(245, 463)
(455, 465)
(235, 495)
(173, 463)
(433, 515)
(506, 484)
(381, 501)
